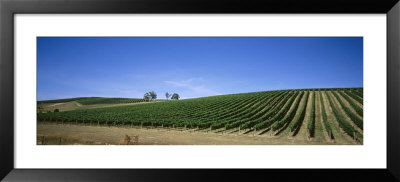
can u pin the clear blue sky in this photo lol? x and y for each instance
(193, 67)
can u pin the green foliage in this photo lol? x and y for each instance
(153, 95)
(324, 117)
(289, 115)
(268, 112)
(279, 115)
(298, 120)
(359, 92)
(200, 112)
(348, 112)
(258, 110)
(167, 95)
(239, 113)
(311, 120)
(347, 128)
(254, 111)
(175, 96)
(354, 96)
(149, 96)
(357, 108)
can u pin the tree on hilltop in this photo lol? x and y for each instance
(153, 95)
(149, 96)
(175, 96)
(167, 95)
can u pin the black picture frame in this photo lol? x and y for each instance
(8, 8)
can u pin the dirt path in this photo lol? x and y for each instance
(320, 132)
(303, 133)
(52, 105)
(101, 135)
(337, 132)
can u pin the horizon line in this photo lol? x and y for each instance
(205, 96)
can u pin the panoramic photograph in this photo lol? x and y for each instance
(199, 91)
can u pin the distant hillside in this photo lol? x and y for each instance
(94, 100)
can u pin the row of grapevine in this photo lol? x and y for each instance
(289, 115)
(227, 112)
(348, 112)
(214, 114)
(354, 96)
(324, 117)
(358, 92)
(298, 120)
(222, 122)
(138, 116)
(357, 108)
(281, 113)
(198, 120)
(274, 108)
(311, 120)
(248, 111)
(221, 116)
(347, 128)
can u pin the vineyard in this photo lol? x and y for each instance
(94, 100)
(330, 114)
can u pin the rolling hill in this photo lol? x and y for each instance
(327, 113)
(93, 100)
